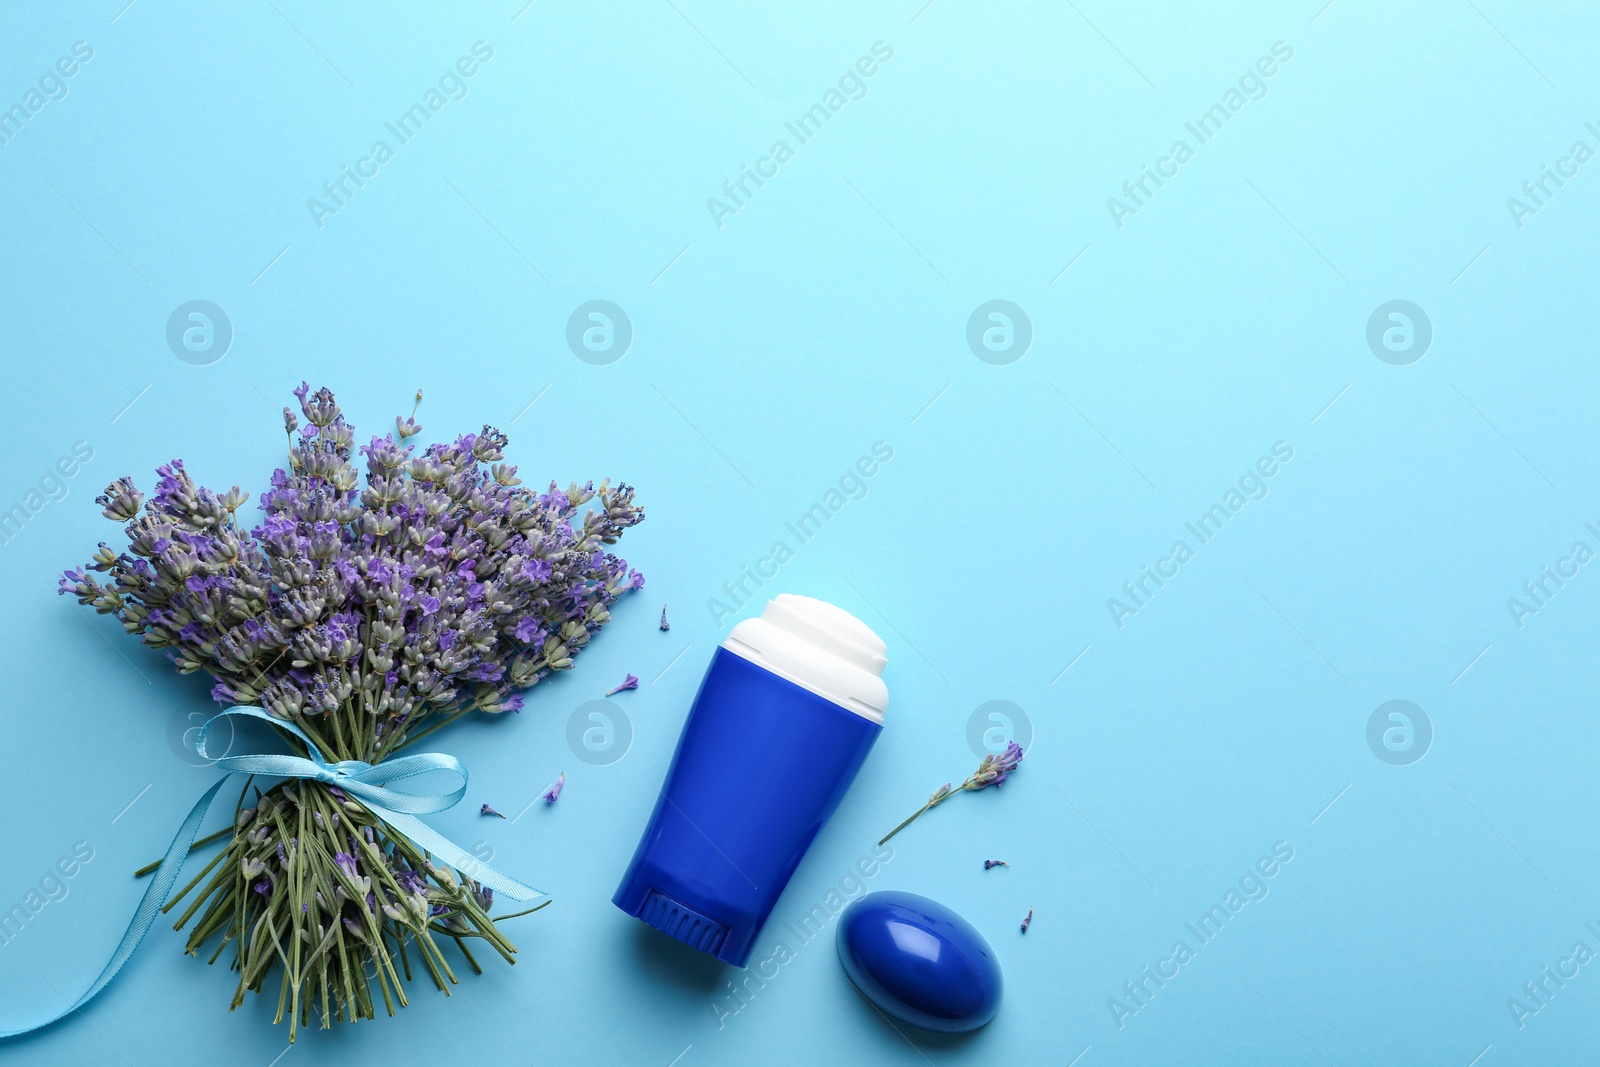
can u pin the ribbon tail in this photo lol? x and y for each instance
(426, 837)
(155, 895)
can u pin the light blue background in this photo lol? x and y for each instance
(1227, 314)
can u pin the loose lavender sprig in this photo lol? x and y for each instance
(992, 771)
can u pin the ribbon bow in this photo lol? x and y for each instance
(369, 782)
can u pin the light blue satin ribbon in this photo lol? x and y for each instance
(368, 782)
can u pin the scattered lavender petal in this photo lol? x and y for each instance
(629, 682)
(549, 795)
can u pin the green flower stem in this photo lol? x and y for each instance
(180, 894)
(283, 989)
(918, 814)
(405, 961)
(224, 943)
(422, 947)
(408, 738)
(237, 929)
(322, 978)
(305, 723)
(214, 916)
(462, 945)
(149, 868)
(263, 960)
(299, 904)
(969, 784)
(526, 911)
(386, 963)
(484, 926)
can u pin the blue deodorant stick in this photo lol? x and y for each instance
(784, 718)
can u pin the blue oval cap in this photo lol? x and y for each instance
(920, 962)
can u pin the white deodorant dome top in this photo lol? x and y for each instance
(819, 647)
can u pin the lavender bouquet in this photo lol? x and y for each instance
(366, 617)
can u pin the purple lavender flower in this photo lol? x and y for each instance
(487, 810)
(549, 795)
(412, 881)
(665, 625)
(121, 501)
(995, 769)
(1027, 920)
(987, 864)
(327, 603)
(630, 682)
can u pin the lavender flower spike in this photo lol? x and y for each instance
(630, 682)
(549, 796)
(992, 771)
